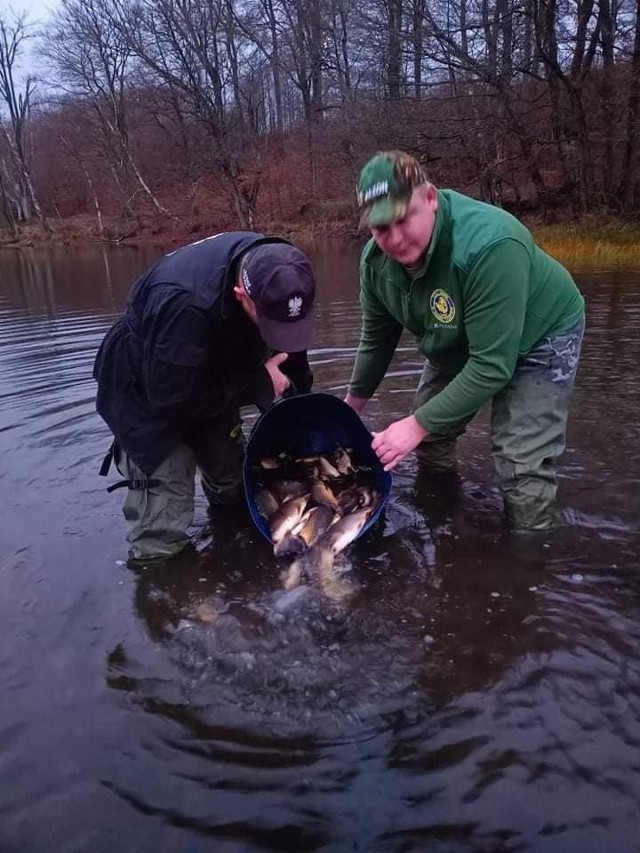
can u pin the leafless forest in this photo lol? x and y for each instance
(201, 114)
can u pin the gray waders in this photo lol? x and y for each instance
(528, 428)
(159, 508)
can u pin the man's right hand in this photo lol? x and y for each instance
(279, 380)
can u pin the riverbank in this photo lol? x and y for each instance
(591, 241)
(607, 242)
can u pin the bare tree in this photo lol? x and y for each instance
(8, 201)
(274, 58)
(417, 38)
(92, 60)
(565, 85)
(629, 184)
(532, 102)
(184, 43)
(17, 100)
(262, 22)
(341, 50)
(394, 76)
(606, 13)
(72, 134)
(480, 69)
(304, 46)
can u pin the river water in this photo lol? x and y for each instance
(480, 692)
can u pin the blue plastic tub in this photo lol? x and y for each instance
(306, 425)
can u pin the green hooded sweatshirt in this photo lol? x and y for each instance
(485, 294)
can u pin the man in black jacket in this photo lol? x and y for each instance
(219, 324)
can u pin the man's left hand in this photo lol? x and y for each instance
(397, 441)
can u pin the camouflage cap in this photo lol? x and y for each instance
(385, 186)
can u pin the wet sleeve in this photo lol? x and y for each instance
(297, 368)
(379, 336)
(178, 378)
(495, 304)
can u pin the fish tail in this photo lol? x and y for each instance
(292, 576)
(326, 559)
(317, 560)
(320, 559)
(332, 586)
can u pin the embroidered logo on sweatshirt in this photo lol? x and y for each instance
(442, 306)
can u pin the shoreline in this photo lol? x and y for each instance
(588, 241)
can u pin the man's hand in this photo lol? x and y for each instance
(356, 403)
(279, 381)
(397, 441)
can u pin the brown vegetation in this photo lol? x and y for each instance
(175, 120)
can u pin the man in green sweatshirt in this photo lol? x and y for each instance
(496, 318)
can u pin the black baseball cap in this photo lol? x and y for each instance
(279, 279)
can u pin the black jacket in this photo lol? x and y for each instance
(185, 352)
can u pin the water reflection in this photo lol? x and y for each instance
(481, 691)
(45, 282)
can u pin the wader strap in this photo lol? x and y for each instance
(108, 459)
(112, 453)
(140, 485)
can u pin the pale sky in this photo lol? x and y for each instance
(38, 10)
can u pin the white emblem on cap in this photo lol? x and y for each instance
(246, 281)
(295, 306)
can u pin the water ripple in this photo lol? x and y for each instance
(480, 691)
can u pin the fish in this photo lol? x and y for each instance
(319, 466)
(286, 517)
(205, 612)
(341, 460)
(290, 545)
(334, 587)
(321, 494)
(292, 576)
(315, 506)
(309, 467)
(287, 488)
(319, 563)
(344, 532)
(313, 524)
(319, 559)
(367, 496)
(357, 497)
(269, 463)
(327, 469)
(349, 501)
(267, 503)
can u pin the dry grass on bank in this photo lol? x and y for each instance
(611, 243)
(602, 243)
